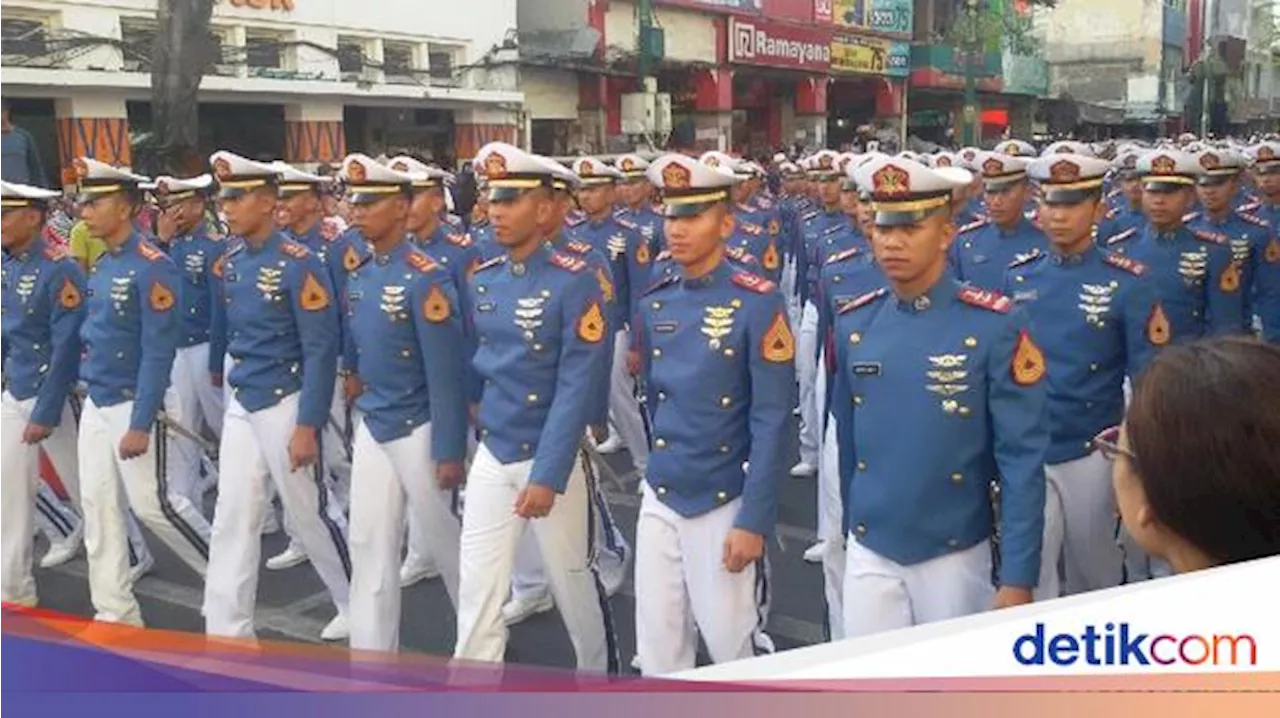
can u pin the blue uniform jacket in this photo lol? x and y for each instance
(278, 319)
(1119, 219)
(616, 243)
(194, 253)
(43, 310)
(405, 319)
(1266, 283)
(1247, 235)
(459, 256)
(982, 251)
(759, 240)
(339, 255)
(719, 374)
(937, 397)
(1193, 274)
(486, 244)
(543, 344)
(598, 266)
(131, 330)
(648, 222)
(1097, 319)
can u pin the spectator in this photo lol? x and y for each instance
(21, 157)
(86, 248)
(1197, 461)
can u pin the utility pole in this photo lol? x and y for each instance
(972, 57)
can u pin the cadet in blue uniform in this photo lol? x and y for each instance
(194, 247)
(130, 333)
(540, 318)
(1126, 212)
(983, 250)
(278, 321)
(1266, 285)
(717, 355)
(301, 199)
(939, 388)
(43, 310)
(636, 194)
(412, 440)
(1193, 271)
(620, 241)
(1246, 233)
(753, 232)
(1098, 321)
(481, 231)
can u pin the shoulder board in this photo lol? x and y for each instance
(809, 215)
(574, 220)
(985, 299)
(977, 224)
(1113, 213)
(738, 254)
(297, 250)
(457, 239)
(751, 227)
(1250, 206)
(665, 255)
(1027, 258)
(490, 263)
(1205, 235)
(663, 281)
(453, 220)
(619, 211)
(843, 255)
(421, 262)
(1119, 261)
(1252, 218)
(1113, 193)
(566, 262)
(863, 300)
(234, 246)
(764, 202)
(577, 246)
(53, 252)
(626, 222)
(1190, 216)
(832, 229)
(149, 251)
(754, 282)
(1119, 237)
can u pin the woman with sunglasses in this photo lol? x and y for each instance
(1199, 493)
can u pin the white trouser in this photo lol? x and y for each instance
(806, 374)
(58, 517)
(255, 445)
(1080, 550)
(624, 407)
(490, 535)
(418, 552)
(881, 595)
(386, 476)
(680, 575)
(830, 517)
(337, 454)
(199, 403)
(171, 517)
(20, 504)
(790, 277)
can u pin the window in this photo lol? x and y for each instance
(263, 50)
(225, 56)
(137, 37)
(23, 37)
(397, 62)
(440, 62)
(351, 56)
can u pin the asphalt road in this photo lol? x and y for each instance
(292, 604)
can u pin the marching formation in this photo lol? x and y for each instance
(427, 396)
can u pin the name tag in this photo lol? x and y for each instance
(484, 307)
(665, 327)
(355, 296)
(1025, 296)
(866, 368)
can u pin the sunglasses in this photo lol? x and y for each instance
(1107, 442)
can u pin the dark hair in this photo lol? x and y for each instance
(1205, 427)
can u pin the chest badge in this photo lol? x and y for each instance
(268, 282)
(947, 374)
(1095, 302)
(717, 323)
(528, 314)
(119, 291)
(1192, 266)
(26, 285)
(194, 263)
(392, 302)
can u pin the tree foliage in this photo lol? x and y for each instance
(994, 25)
(184, 49)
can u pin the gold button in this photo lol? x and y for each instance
(43, 368)
(1019, 278)
(860, 529)
(484, 433)
(729, 351)
(657, 352)
(480, 289)
(119, 355)
(854, 338)
(964, 411)
(957, 478)
(532, 398)
(660, 443)
(952, 543)
(662, 396)
(971, 342)
(857, 399)
(735, 303)
(862, 466)
(725, 401)
(656, 306)
(279, 391)
(537, 346)
(662, 490)
(722, 496)
(724, 448)
(1093, 367)
(404, 353)
(408, 422)
(525, 447)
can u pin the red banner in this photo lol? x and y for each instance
(760, 42)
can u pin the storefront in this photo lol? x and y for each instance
(868, 81)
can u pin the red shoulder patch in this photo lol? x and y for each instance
(740, 255)
(663, 255)
(577, 246)
(751, 228)
(1205, 235)
(458, 240)
(294, 249)
(421, 262)
(564, 261)
(863, 300)
(1120, 261)
(149, 251)
(754, 282)
(974, 225)
(1253, 218)
(985, 299)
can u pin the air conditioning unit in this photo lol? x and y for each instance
(132, 66)
(646, 112)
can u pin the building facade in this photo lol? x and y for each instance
(302, 80)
